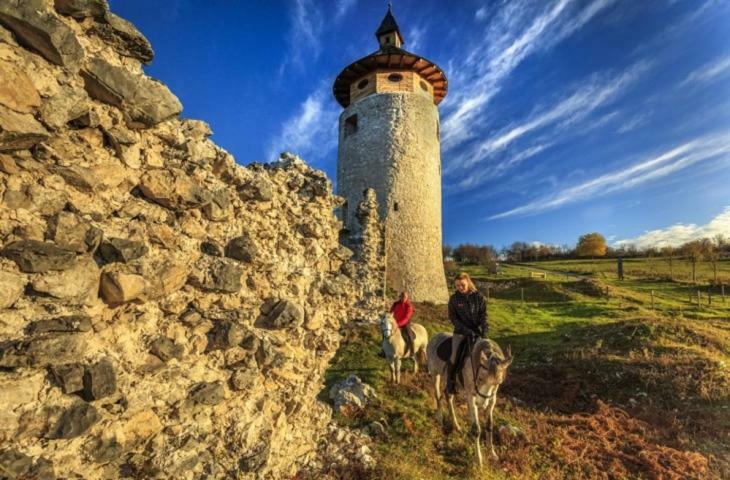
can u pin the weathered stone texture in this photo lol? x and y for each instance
(395, 151)
(164, 312)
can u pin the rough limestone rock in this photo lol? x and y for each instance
(144, 99)
(100, 380)
(173, 189)
(166, 349)
(118, 287)
(71, 232)
(75, 420)
(122, 250)
(19, 130)
(69, 323)
(282, 314)
(164, 311)
(33, 256)
(225, 334)
(17, 91)
(81, 9)
(11, 288)
(80, 282)
(42, 31)
(352, 391)
(243, 248)
(69, 377)
(124, 38)
(216, 275)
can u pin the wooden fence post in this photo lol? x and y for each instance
(709, 296)
(487, 292)
(722, 290)
(652, 300)
(522, 294)
(699, 300)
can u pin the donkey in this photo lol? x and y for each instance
(483, 372)
(395, 347)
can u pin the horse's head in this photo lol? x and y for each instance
(497, 365)
(386, 325)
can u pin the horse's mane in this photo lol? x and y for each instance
(489, 347)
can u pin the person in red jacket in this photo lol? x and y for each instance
(402, 311)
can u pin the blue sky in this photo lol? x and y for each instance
(563, 116)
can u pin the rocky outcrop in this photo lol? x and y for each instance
(164, 312)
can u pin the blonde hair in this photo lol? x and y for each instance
(470, 287)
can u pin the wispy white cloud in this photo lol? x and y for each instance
(312, 131)
(344, 7)
(478, 178)
(708, 72)
(414, 38)
(676, 159)
(634, 122)
(563, 115)
(676, 235)
(481, 13)
(516, 32)
(308, 19)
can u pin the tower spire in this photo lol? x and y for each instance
(388, 33)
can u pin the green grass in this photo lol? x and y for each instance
(574, 348)
(642, 268)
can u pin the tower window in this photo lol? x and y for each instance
(424, 87)
(363, 83)
(395, 77)
(396, 207)
(350, 125)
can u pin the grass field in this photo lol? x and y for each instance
(679, 269)
(602, 387)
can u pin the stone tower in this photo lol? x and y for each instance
(389, 141)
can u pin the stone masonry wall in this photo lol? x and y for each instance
(395, 151)
(164, 312)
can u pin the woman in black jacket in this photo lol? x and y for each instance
(468, 313)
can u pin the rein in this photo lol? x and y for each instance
(480, 366)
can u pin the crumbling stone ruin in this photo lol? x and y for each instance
(371, 252)
(164, 312)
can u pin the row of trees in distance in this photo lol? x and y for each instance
(591, 245)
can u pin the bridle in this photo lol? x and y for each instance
(480, 366)
(386, 329)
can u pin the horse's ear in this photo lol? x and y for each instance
(508, 358)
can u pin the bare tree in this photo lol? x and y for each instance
(668, 252)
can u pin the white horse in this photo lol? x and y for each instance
(395, 347)
(483, 372)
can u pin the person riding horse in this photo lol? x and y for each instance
(468, 314)
(402, 311)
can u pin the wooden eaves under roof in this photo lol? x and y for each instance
(388, 58)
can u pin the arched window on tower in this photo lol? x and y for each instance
(350, 125)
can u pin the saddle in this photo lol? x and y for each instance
(409, 336)
(444, 349)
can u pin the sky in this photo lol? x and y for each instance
(563, 117)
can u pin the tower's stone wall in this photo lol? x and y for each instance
(395, 150)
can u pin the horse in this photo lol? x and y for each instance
(484, 370)
(395, 347)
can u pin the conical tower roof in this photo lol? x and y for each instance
(389, 25)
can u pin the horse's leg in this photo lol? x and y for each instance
(397, 370)
(415, 363)
(391, 365)
(490, 426)
(475, 428)
(452, 411)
